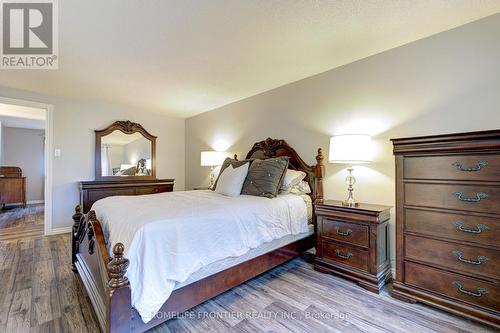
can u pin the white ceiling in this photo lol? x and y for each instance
(22, 116)
(184, 57)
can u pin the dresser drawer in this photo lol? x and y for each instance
(147, 190)
(477, 229)
(456, 286)
(456, 167)
(345, 254)
(347, 232)
(478, 198)
(465, 258)
(101, 194)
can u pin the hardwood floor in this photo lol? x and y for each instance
(17, 222)
(40, 293)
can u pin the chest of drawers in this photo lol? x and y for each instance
(448, 223)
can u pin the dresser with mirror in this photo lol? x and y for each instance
(125, 164)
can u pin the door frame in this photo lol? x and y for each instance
(48, 157)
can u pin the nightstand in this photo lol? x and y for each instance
(353, 242)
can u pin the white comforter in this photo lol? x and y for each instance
(169, 236)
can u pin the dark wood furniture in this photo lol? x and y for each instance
(448, 223)
(91, 191)
(126, 127)
(12, 186)
(102, 187)
(353, 242)
(109, 290)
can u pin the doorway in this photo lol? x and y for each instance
(25, 169)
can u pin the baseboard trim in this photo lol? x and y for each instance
(58, 231)
(34, 202)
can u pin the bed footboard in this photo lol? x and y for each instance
(103, 277)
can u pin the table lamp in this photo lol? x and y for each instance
(350, 149)
(212, 159)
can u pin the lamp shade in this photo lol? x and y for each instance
(350, 149)
(212, 158)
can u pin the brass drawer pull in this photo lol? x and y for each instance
(478, 261)
(347, 256)
(478, 198)
(480, 291)
(343, 233)
(479, 166)
(476, 230)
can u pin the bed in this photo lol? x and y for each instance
(172, 249)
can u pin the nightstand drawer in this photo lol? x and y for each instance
(345, 254)
(346, 232)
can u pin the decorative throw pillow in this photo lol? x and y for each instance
(265, 177)
(231, 180)
(301, 188)
(227, 162)
(292, 178)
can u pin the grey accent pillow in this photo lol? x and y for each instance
(227, 162)
(264, 177)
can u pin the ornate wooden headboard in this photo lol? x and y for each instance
(269, 148)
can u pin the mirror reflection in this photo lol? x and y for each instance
(125, 155)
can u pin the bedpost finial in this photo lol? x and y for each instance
(118, 249)
(320, 157)
(320, 173)
(91, 216)
(117, 268)
(78, 214)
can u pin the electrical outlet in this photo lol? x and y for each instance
(57, 152)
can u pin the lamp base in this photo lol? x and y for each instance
(350, 180)
(212, 180)
(349, 203)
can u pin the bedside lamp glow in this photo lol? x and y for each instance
(212, 159)
(350, 149)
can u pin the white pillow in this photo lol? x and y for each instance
(292, 178)
(231, 180)
(301, 188)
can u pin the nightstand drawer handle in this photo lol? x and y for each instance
(347, 256)
(478, 167)
(479, 196)
(343, 233)
(480, 291)
(476, 230)
(478, 261)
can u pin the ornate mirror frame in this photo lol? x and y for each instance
(126, 127)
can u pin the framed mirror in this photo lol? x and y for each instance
(125, 150)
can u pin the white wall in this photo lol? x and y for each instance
(73, 126)
(1, 143)
(24, 148)
(449, 82)
(137, 149)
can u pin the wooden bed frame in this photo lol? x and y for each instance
(108, 287)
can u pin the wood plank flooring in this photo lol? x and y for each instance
(17, 222)
(40, 293)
